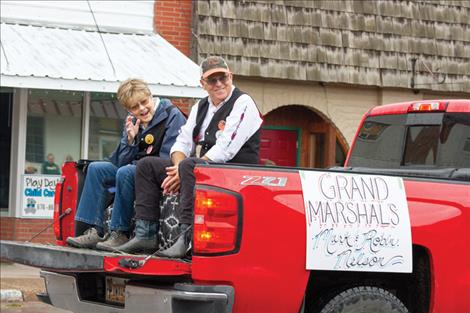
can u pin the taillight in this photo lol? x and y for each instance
(57, 198)
(217, 221)
(427, 106)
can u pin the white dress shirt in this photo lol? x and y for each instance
(237, 130)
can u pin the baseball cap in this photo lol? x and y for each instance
(213, 64)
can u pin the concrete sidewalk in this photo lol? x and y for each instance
(19, 280)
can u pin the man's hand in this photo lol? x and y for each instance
(171, 184)
(131, 129)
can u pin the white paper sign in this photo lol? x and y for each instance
(37, 199)
(356, 222)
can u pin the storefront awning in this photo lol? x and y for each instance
(67, 59)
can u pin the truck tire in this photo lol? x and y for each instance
(365, 299)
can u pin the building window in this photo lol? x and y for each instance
(106, 124)
(53, 129)
(35, 139)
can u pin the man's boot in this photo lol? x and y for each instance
(145, 240)
(181, 246)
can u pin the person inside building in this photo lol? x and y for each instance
(223, 127)
(30, 170)
(150, 130)
(49, 167)
(68, 158)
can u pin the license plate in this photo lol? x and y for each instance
(115, 290)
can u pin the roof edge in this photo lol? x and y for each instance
(95, 86)
(76, 26)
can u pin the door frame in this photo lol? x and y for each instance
(299, 137)
(4, 211)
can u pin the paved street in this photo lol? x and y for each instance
(27, 280)
(29, 307)
(20, 277)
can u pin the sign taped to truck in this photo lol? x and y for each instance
(356, 222)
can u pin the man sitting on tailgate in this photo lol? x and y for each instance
(223, 127)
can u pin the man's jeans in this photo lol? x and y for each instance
(100, 175)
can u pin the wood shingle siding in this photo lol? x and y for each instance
(353, 42)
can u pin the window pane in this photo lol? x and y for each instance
(106, 122)
(53, 130)
(454, 141)
(421, 145)
(379, 142)
(35, 139)
(431, 140)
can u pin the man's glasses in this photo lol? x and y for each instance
(213, 80)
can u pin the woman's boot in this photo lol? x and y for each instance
(145, 240)
(182, 245)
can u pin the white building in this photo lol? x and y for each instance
(61, 64)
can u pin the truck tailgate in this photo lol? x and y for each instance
(67, 259)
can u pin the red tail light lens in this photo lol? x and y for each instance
(217, 221)
(58, 190)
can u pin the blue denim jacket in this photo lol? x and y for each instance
(126, 153)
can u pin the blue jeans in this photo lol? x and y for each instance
(100, 175)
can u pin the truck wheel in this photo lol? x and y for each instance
(365, 299)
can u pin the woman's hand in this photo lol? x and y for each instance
(131, 129)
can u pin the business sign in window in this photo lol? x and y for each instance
(37, 199)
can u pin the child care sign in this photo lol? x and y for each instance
(356, 222)
(38, 195)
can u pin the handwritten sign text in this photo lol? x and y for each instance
(356, 222)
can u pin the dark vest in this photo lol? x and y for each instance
(154, 138)
(248, 153)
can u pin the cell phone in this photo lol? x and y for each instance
(134, 119)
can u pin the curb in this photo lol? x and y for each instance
(11, 295)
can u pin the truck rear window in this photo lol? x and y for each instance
(434, 140)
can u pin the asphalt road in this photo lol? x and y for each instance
(27, 280)
(29, 307)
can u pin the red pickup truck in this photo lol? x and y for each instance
(250, 233)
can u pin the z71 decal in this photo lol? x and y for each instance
(264, 181)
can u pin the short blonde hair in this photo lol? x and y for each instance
(132, 91)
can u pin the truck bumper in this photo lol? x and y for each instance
(63, 293)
